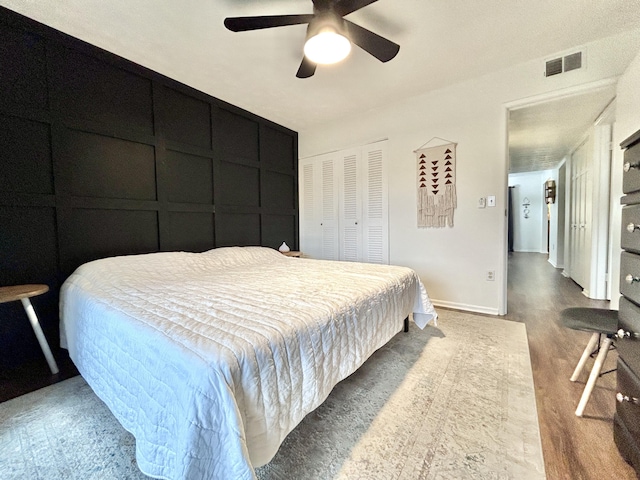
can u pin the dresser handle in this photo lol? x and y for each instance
(628, 166)
(625, 398)
(624, 334)
(630, 279)
(632, 227)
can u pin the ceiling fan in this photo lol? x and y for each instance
(329, 35)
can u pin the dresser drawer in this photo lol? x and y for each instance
(630, 276)
(628, 412)
(629, 321)
(624, 441)
(630, 238)
(631, 175)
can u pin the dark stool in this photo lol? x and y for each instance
(600, 322)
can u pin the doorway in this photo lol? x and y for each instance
(542, 135)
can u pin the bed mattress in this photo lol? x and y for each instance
(211, 359)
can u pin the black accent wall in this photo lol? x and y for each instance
(102, 157)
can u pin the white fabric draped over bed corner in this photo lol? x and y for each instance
(211, 359)
(423, 311)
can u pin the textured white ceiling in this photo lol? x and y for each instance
(442, 42)
(540, 136)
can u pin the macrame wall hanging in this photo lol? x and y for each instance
(436, 183)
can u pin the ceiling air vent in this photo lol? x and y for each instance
(567, 63)
(554, 67)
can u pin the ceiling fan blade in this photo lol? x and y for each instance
(242, 24)
(307, 68)
(345, 7)
(381, 48)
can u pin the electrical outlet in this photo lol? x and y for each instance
(491, 275)
(482, 202)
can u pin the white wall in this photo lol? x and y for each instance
(453, 262)
(529, 234)
(627, 123)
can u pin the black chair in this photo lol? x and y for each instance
(600, 322)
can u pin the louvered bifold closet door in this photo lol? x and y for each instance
(344, 205)
(351, 205)
(310, 208)
(375, 214)
(330, 212)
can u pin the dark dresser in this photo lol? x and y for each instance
(626, 428)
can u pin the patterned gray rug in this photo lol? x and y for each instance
(450, 402)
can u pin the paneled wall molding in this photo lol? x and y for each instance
(101, 157)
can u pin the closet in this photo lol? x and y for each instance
(344, 205)
(587, 233)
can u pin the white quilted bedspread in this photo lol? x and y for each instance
(211, 359)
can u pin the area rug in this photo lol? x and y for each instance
(454, 401)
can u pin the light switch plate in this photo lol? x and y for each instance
(491, 201)
(482, 202)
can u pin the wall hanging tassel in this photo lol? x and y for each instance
(436, 168)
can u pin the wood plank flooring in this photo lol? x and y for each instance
(574, 448)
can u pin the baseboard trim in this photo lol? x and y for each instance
(465, 307)
(555, 265)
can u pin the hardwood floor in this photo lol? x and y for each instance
(574, 448)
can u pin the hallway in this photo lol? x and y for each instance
(574, 448)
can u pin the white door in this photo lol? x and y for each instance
(350, 205)
(581, 211)
(329, 215)
(344, 205)
(319, 207)
(310, 197)
(375, 216)
(600, 203)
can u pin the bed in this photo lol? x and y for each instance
(211, 359)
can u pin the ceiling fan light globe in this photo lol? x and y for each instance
(327, 47)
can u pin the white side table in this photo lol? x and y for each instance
(23, 293)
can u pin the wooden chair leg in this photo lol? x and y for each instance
(593, 376)
(590, 348)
